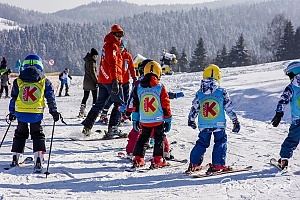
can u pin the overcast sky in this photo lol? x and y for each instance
(48, 6)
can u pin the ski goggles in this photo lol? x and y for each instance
(118, 34)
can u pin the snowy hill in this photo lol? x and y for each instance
(91, 169)
(5, 24)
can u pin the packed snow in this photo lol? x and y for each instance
(5, 24)
(92, 169)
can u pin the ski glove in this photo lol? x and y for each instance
(192, 124)
(179, 94)
(136, 121)
(123, 108)
(167, 124)
(115, 87)
(277, 118)
(12, 117)
(236, 126)
(55, 115)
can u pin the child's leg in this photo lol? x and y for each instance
(166, 145)
(67, 88)
(21, 134)
(200, 147)
(6, 90)
(37, 136)
(159, 137)
(220, 148)
(291, 142)
(132, 139)
(1, 90)
(61, 88)
(141, 144)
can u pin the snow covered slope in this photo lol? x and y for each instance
(91, 169)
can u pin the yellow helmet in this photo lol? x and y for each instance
(212, 71)
(153, 67)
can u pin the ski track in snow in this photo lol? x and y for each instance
(92, 170)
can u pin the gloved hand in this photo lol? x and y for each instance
(236, 126)
(136, 121)
(192, 124)
(179, 94)
(123, 108)
(55, 115)
(12, 117)
(277, 118)
(167, 124)
(115, 87)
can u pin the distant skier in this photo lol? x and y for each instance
(3, 65)
(291, 95)
(210, 104)
(27, 104)
(63, 77)
(89, 80)
(5, 83)
(152, 112)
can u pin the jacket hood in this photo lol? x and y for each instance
(111, 38)
(209, 85)
(88, 57)
(31, 74)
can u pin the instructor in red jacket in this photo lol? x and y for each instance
(110, 81)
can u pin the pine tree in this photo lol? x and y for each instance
(286, 48)
(222, 57)
(239, 55)
(297, 43)
(198, 61)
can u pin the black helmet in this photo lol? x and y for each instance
(142, 65)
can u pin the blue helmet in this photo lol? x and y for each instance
(33, 60)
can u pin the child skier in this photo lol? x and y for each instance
(5, 83)
(27, 105)
(290, 95)
(152, 112)
(210, 103)
(133, 134)
(63, 77)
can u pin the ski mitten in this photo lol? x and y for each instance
(236, 126)
(276, 119)
(167, 124)
(192, 124)
(115, 87)
(136, 121)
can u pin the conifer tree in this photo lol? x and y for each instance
(198, 61)
(286, 48)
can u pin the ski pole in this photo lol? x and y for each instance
(9, 124)
(62, 120)
(47, 172)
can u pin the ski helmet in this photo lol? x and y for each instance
(153, 67)
(142, 65)
(212, 71)
(33, 60)
(292, 69)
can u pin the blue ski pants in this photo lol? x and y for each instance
(219, 149)
(291, 142)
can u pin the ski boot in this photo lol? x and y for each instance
(217, 168)
(82, 112)
(67, 94)
(158, 162)
(168, 155)
(103, 118)
(193, 168)
(38, 161)
(114, 131)
(86, 132)
(283, 163)
(124, 117)
(138, 161)
(17, 159)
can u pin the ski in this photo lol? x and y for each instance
(248, 168)
(274, 163)
(27, 160)
(203, 168)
